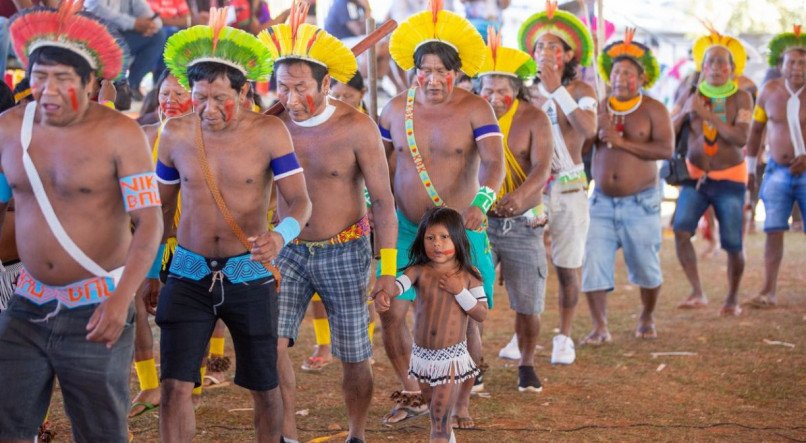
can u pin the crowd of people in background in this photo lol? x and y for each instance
(478, 166)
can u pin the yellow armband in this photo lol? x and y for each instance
(759, 115)
(389, 261)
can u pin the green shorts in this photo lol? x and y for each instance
(479, 254)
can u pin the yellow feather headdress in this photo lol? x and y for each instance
(501, 60)
(714, 38)
(438, 25)
(300, 40)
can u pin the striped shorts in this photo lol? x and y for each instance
(339, 273)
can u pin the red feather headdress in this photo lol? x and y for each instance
(73, 29)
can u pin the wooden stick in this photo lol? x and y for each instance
(360, 47)
(372, 73)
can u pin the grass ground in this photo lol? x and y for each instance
(736, 387)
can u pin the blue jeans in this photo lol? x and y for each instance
(5, 44)
(725, 196)
(145, 52)
(631, 223)
(94, 380)
(779, 191)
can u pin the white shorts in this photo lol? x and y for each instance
(568, 227)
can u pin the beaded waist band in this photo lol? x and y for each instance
(355, 231)
(85, 292)
(237, 269)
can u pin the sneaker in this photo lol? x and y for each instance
(562, 350)
(528, 380)
(478, 386)
(511, 351)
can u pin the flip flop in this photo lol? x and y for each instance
(147, 406)
(214, 382)
(407, 405)
(693, 303)
(761, 301)
(594, 339)
(730, 311)
(315, 364)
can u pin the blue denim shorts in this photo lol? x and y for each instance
(520, 250)
(727, 198)
(94, 379)
(779, 191)
(631, 223)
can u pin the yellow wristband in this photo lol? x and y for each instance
(389, 261)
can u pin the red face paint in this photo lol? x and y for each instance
(632, 83)
(174, 109)
(73, 99)
(185, 106)
(311, 104)
(229, 110)
(421, 80)
(448, 252)
(508, 101)
(449, 81)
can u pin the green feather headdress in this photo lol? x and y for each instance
(563, 25)
(219, 44)
(635, 51)
(783, 42)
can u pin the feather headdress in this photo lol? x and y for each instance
(73, 29)
(714, 38)
(438, 25)
(501, 60)
(784, 42)
(636, 51)
(561, 24)
(300, 40)
(217, 43)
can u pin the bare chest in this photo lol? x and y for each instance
(232, 165)
(435, 136)
(635, 126)
(325, 157)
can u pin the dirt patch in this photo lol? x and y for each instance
(735, 387)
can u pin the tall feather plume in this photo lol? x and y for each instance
(218, 19)
(494, 42)
(629, 35)
(299, 11)
(551, 8)
(436, 6)
(68, 9)
(796, 30)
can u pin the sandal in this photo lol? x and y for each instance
(761, 301)
(146, 405)
(316, 364)
(594, 339)
(211, 382)
(693, 303)
(730, 311)
(407, 405)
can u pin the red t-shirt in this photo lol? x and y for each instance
(168, 8)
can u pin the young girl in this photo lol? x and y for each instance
(440, 271)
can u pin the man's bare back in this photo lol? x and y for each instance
(241, 170)
(79, 166)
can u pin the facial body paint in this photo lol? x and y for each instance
(73, 99)
(508, 101)
(449, 81)
(421, 80)
(229, 110)
(311, 104)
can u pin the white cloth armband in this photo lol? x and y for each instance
(403, 283)
(588, 104)
(479, 294)
(565, 100)
(466, 300)
(752, 162)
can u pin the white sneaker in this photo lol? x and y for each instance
(511, 351)
(562, 350)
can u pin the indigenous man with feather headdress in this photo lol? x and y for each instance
(81, 176)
